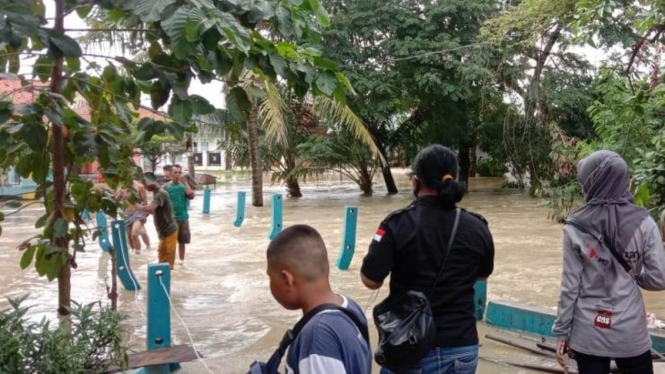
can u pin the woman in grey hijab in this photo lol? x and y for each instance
(611, 248)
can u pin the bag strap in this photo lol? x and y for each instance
(273, 363)
(453, 233)
(603, 240)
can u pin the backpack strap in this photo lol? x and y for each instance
(449, 248)
(603, 241)
(273, 363)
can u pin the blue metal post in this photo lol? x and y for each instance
(480, 298)
(240, 209)
(206, 200)
(159, 315)
(103, 227)
(348, 238)
(125, 274)
(276, 216)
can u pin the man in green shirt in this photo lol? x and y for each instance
(180, 192)
(162, 209)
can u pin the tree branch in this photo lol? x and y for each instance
(659, 29)
(108, 30)
(546, 51)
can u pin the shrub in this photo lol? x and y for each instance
(489, 167)
(92, 342)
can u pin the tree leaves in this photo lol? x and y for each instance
(238, 103)
(159, 94)
(151, 10)
(42, 68)
(181, 110)
(60, 227)
(63, 45)
(326, 82)
(27, 257)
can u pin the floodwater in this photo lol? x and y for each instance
(221, 292)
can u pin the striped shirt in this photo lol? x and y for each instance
(331, 343)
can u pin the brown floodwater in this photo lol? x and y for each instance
(222, 293)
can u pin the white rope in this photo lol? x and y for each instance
(191, 340)
(372, 299)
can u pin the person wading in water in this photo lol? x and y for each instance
(611, 249)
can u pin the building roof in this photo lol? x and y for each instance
(26, 95)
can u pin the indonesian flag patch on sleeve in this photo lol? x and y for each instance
(379, 235)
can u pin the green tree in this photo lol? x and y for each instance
(199, 39)
(415, 59)
(339, 152)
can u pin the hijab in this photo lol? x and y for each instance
(609, 208)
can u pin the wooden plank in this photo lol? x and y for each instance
(523, 344)
(535, 367)
(162, 356)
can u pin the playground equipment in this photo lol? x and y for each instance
(160, 357)
(103, 227)
(348, 238)
(276, 216)
(240, 209)
(206, 200)
(125, 274)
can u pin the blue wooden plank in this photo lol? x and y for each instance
(276, 227)
(159, 314)
(240, 209)
(207, 194)
(123, 268)
(103, 227)
(508, 316)
(348, 238)
(538, 321)
(480, 298)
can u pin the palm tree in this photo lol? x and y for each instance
(268, 113)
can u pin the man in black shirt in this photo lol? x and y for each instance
(410, 244)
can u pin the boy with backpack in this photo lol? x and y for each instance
(332, 336)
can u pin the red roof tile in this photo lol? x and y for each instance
(26, 95)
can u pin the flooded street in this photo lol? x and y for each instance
(222, 291)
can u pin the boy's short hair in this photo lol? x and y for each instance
(167, 167)
(149, 179)
(176, 166)
(301, 250)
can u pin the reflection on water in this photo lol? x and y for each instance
(222, 291)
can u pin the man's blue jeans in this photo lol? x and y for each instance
(458, 360)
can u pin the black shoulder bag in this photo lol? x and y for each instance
(406, 325)
(604, 242)
(272, 366)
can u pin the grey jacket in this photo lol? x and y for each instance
(601, 311)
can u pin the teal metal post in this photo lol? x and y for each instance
(159, 315)
(103, 227)
(348, 238)
(85, 215)
(480, 298)
(276, 216)
(206, 200)
(240, 209)
(125, 274)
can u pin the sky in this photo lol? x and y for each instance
(211, 91)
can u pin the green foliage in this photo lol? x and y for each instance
(180, 41)
(489, 167)
(93, 342)
(337, 151)
(415, 70)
